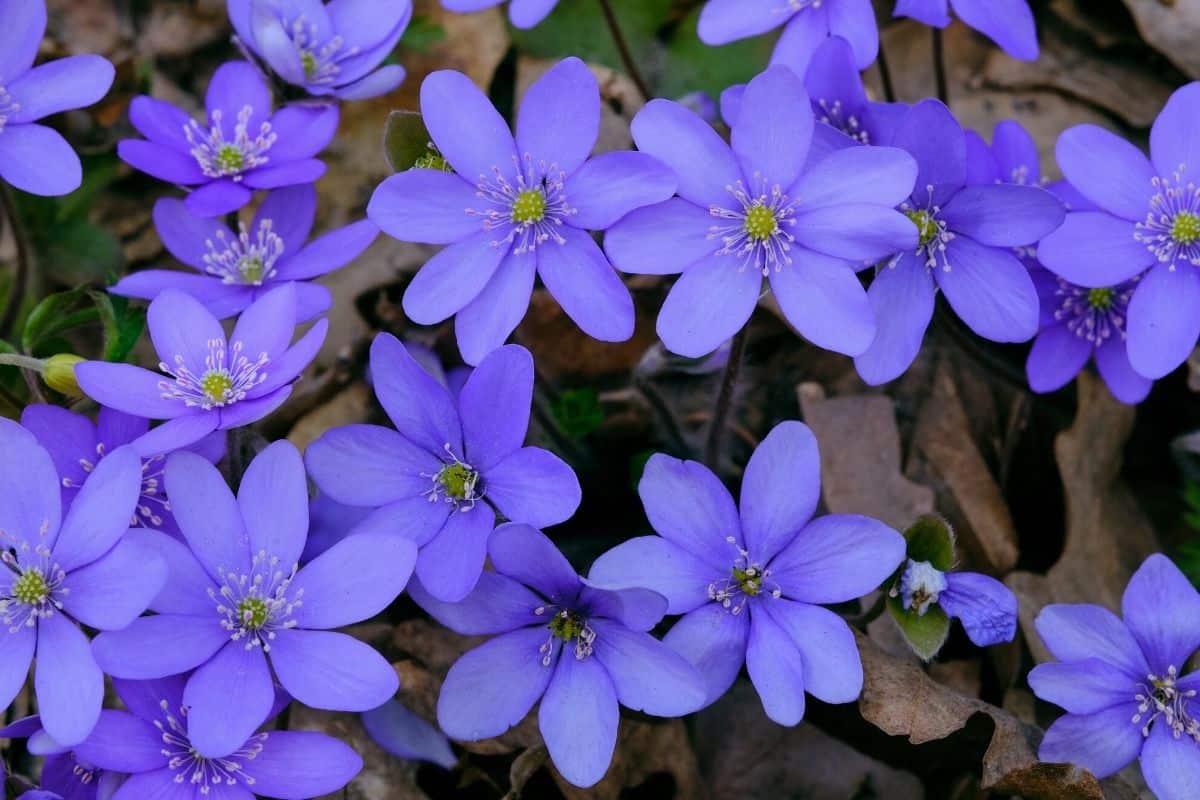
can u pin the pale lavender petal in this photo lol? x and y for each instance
(580, 278)
(828, 652)
(369, 465)
(647, 675)
(332, 671)
(425, 205)
(774, 129)
(709, 303)
(62, 85)
(354, 580)
(159, 646)
(578, 720)
(1057, 356)
(217, 726)
(421, 408)
(38, 160)
(1164, 319)
(102, 595)
(466, 128)
(990, 290)
(527, 555)
(491, 688)
(688, 505)
(559, 118)
(837, 558)
(450, 565)
(1103, 743)
(655, 563)
(687, 144)
(1160, 607)
(207, 514)
(533, 486)
(776, 669)
(612, 185)
(1107, 170)
(487, 321)
(822, 298)
(714, 641)
(69, 684)
(452, 278)
(662, 239)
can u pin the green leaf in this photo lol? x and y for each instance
(123, 325)
(405, 140)
(421, 34)
(931, 539)
(57, 313)
(76, 251)
(925, 634)
(578, 28)
(1187, 557)
(692, 66)
(637, 466)
(578, 411)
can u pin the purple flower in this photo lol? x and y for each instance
(968, 233)
(768, 208)
(405, 735)
(581, 649)
(56, 574)
(451, 465)
(1146, 217)
(807, 24)
(512, 209)
(1012, 157)
(210, 383)
(749, 583)
(1008, 23)
(1121, 682)
(240, 268)
(238, 148)
(153, 743)
(35, 158)
(522, 13)
(328, 50)
(77, 446)
(984, 605)
(64, 775)
(238, 607)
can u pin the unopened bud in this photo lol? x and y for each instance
(59, 374)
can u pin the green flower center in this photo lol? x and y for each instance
(749, 580)
(309, 61)
(31, 588)
(230, 158)
(251, 269)
(458, 481)
(760, 223)
(1101, 299)
(1186, 228)
(253, 612)
(433, 160)
(927, 227)
(216, 385)
(529, 207)
(567, 625)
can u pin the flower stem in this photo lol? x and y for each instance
(939, 66)
(885, 75)
(25, 362)
(16, 296)
(716, 429)
(631, 68)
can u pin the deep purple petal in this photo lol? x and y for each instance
(235, 85)
(160, 122)
(1171, 765)
(1082, 687)
(494, 406)
(1009, 23)
(688, 505)
(714, 641)
(776, 669)
(822, 298)
(38, 160)
(578, 720)
(1103, 743)
(497, 604)
(354, 580)
(1107, 170)
(406, 735)
(990, 290)
(774, 129)
(837, 558)
(452, 278)
(655, 563)
(208, 514)
(67, 437)
(491, 688)
(69, 684)
(184, 234)
(647, 675)
(1112, 359)
(223, 196)
(578, 275)
(931, 135)
(1004, 215)
(369, 465)
(425, 205)
(1057, 356)
(487, 321)
(1161, 608)
(526, 555)
(332, 671)
(1016, 154)
(451, 563)
(1164, 319)
(218, 725)
(466, 128)
(559, 118)
(831, 666)
(533, 486)
(662, 239)
(421, 408)
(687, 144)
(1078, 632)
(709, 303)
(299, 764)
(985, 606)
(1094, 249)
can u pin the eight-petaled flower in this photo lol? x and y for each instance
(750, 583)
(579, 648)
(238, 607)
(450, 467)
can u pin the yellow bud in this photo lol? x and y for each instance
(59, 374)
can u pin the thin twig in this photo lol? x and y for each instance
(885, 75)
(16, 297)
(716, 429)
(939, 66)
(623, 50)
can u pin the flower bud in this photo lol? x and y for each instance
(59, 374)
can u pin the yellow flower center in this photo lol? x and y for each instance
(1186, 228)
(216, 385)
(253, 612)
(529, 207)
(458, 481)
(927, 227)
(230, 158)
(1100, 299)
(760, 223)
(31, 588)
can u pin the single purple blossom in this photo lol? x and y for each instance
(985, 606)
(59, 573)
(406, 735)
(239, 147)
(1008, 23)
(749, 582)
(807, 23)
(764, 208)
(510, 210)
(237, 605)
(328, 50)
(35, 158)
(1122, 685)
(579, 648)
(207, 382)
(522, 13)
(239, 268)
(968, 235)
(1146, 217)
(77, 445)
(450, 467)
(153, 744)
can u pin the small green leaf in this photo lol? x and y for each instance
(637, 466)
(926, 633)
(123, 325)
(578, 28)
(405, 140)
(56, 313)
(578, 411)
(422, 33)
(1187, 556)
(690, 65)
(931, 539)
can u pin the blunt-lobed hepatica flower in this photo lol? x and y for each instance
(807, 24)
(522, 13)
(755, 212)
(512, 209)
(749, 583)
(77, 445)
(1008, 23)
(1146, 217)
(35, 158)
(237, 606)
(985, 606)
(207, 382)
(968, 233)
(153, 744)
(1122, 685)
(58, 572)
(328, 50)
(239, 268)
(239, 147)
(450, 467)
(581, 649)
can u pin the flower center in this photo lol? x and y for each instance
(319, 59)
(528, 212)
(567, 625)
(756, 231)
(244, 260)
(457, 482)
(1094, 314)
(219, 157)
(927, 226)
(31, 588)
(933, 233)
(309, 62)
(920, 586)
(1161, 697)
(37, 587)
(1171, 229)
(191, 767)
(746, 579)
(8, 107)
(227, 379)
(1100, 299)
(254, 606)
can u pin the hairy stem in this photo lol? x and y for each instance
(631, 68)
(717, 429)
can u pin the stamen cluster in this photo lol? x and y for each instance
(254, 606)
(243, 260)
(529, 211)
(219, 158)
(228, 376)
